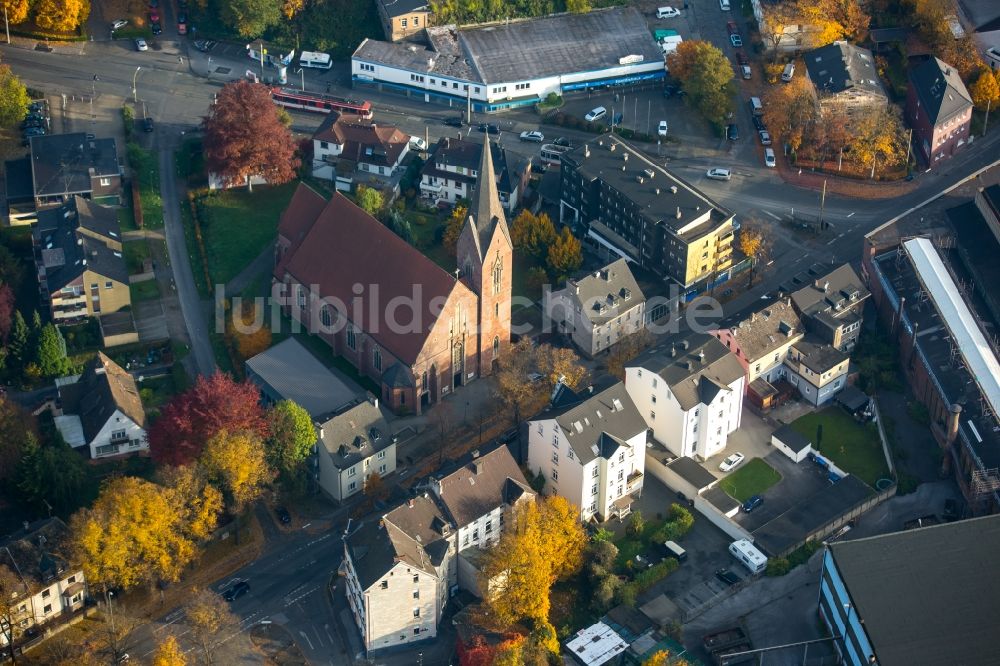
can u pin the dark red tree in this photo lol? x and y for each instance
(193, 417)
(244, 137)
(6, 310)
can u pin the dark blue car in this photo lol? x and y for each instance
(752, 503)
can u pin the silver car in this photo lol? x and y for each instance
(718, 173)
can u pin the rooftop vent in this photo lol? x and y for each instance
(678, 213)
(612, 147)
(649, 173)
(673, 189)
(657, 190)
(625, 157)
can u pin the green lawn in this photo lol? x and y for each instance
(853, 447)
(752, 479)
(136, 251)
(144, 291)
(146, 174)
(126, 218)
(237, 225)
(629, 546)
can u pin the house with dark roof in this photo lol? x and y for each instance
(845, 79)
(599, 309)
(832, 306)
(101, 410)
(48, 585)
(403, 19)
(78, 257)
(452, 171)
(351, 151)
(921, 597)
(939, 109)
(590, 446)
(399, 569)
(63, 166)
(690, 392)
(353, 444)
(395, 315)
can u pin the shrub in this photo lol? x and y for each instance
(635, 524)
(778, 566)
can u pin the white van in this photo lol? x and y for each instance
(789, 72)
(756, 106)
(724, 5)
(745, 552)
(675, 551)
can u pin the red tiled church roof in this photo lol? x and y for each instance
(345, 246)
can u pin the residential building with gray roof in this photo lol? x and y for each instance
(845, 79)
(690, 392)
(590, 447)
(599, 309)
(354, 444)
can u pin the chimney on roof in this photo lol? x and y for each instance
(410, 502)
(586, 151)
(701, 355)
(657, 190)
(678, 213)
(475, 454)
(826, 287)
(954, 416)
(477, 467)
(590, 388)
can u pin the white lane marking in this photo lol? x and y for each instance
(306, 636)
(767, 212)
(851, 214)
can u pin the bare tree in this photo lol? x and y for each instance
(209, 616)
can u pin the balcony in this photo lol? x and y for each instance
(633, 481)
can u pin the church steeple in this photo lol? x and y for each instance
(486, 212)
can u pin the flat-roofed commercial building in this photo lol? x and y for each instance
(625, 205)
(515, 64)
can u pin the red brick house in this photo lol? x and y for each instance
(939, 109)
(398, 317)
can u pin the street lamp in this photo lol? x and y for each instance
(135, 93)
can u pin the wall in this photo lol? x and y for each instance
(840, 615)
(390, 611)
(572, 474)
(565, 311)
(797, 457)
(118, 421)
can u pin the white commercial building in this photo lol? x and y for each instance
(514, 64)
(591, 450)
(690, 393)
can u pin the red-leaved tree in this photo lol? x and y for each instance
(192, 418)
(244, 137)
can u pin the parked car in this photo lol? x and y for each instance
(147, 124)
(154, 16)
(746, 71)
(140, 45)
(454, 121)
(489, 128)
(156, 28)
(37, 106)
(34, 131)
(283, 514)
(758, 123)
(733, 132)
(596, 114)
(236, 591)
(539, 167)
(788, 73)
(732, 462)
(533, 135)
(731, 28)
(765, 137)
(119, 24)
(418, 143)
(182, 24)
(736, 40)
(562, 141)
(727, 576)
(718, 173)
(661, 129)
(769, 160)
(667, 12)
(752, 503)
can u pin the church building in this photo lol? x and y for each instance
(399, 318)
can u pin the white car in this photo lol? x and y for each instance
(596, 114)
(718, 173)
(765, 137)
(769, 158)
(533, 136)
(140, 45)
(119, 24)
(417, 143)
(667, 12)
(731, 462)
(662, 128)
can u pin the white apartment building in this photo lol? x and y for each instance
(50, 586)
(402, 568)
(690, 394)
(452, 171)
(591, 449)
(353, 445)
(599, 309)
(399, 570)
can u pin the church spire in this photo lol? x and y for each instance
(486, 209)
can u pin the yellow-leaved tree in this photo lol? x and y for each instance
(210, 618)
(61, 15)
(561, 364)
(565, 255)
(169, 653)
(454, 228)
(199, 501)
(532, 233)
(790, 109)
(878, 139)
(16, 10)
(985, 90)
(543, 543)
(235, 462)
(134, 533)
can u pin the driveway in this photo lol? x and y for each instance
(150, 321)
